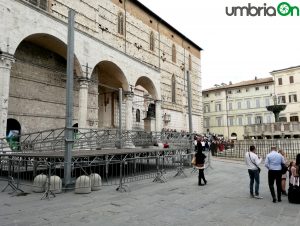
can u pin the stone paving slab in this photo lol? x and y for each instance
(223, 201)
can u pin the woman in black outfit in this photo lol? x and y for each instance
(200, 160)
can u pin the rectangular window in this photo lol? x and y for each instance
(229, 106)
(292, 98)
(291, 79)
(239, 105)
(219, 121)
(258, 120)
(206, 109)
(294, 119)
(218, 107)
(238, 91)
(266, 87)
(282, 119)
(281, 100)
(257, 101)
(240, 120)
(230, 121)
(267, 101)
(268, 117)
(249, 120)
(229, 92)
(256, 88)
(279, 81)
(206, 123)
(248, 104)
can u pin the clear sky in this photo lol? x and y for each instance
(236, 48)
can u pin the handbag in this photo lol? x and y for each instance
(294, 192)
(283, 168)
(193, 161)
(254, 164)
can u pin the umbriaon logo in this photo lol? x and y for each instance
(283, 9)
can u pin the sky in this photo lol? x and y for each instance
(235, 48)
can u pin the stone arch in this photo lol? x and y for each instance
(53, 44)
(38, 82)
(107, 77)
(147, 84)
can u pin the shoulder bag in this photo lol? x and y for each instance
(254, 163)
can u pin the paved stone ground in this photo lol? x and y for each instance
(223, 201)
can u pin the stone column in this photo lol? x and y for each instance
(6, 61)
(128, 118)
(83, 100)
(128, 143)
(158, 116)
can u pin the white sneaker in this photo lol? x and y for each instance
(258, 197)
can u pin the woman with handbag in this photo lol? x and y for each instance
(294, 189)
(200, 160)
(284, 174)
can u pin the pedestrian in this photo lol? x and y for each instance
(252, 161)
(273, 163)
(200, 161)
(284, 175)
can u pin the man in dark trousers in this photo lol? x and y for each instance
(252, 161)
(273, 163)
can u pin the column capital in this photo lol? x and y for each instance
(6, 60)
(84, 83)
(129, 95)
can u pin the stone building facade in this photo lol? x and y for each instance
(118, 44)
(229, 108)
(287, 90)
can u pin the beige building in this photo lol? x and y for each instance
(118, 44)
(229, 108)
(287, 90)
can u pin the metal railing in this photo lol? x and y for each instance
(90, 139)
(115, 170)
(290, 146)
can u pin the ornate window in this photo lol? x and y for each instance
(190, 62)
(152, 42)
(173, 89)
(174, 53)
(120, 23)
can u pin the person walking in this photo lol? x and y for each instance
(200, 160)
(273, 164)
(252, 161)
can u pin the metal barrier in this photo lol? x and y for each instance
(115, 170)
(263, 147)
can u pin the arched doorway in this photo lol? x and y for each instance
(107, 78)
(37, 89)
(233, 136)
(13, 125)
(145, 95)
(13, 132)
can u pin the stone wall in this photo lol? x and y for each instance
(37, 96)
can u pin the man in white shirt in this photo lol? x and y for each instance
(252, 162)
(273, 163)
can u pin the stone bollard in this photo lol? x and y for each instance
(55, 184)
(39, 183)
(96, 181)
(83, 185)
